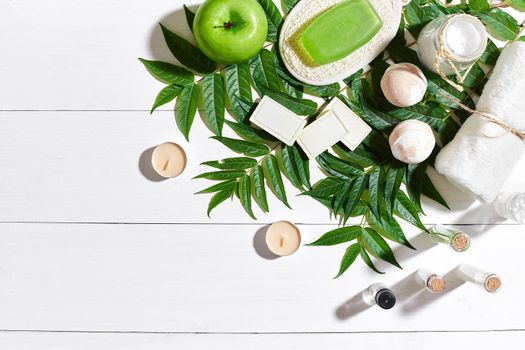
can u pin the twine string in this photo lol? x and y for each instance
(489, 116)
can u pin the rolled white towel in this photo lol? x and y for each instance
(482, 155)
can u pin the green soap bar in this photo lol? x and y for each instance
(340, 31)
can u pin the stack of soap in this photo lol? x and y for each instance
(337, 123)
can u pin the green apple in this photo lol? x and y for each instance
(230, 31)
(518, 5)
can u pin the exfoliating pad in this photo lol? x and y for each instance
(305, 13)
(339, 31)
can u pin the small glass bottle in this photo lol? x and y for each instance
(489, 281)
(461, 37)
(511, 206)
(432, 282)
(379, 294)
(455, 239)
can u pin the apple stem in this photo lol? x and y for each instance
(227, 25)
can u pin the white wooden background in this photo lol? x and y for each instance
(96, 253)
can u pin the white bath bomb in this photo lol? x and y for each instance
(404, 84)
(412, 141)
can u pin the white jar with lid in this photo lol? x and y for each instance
(461, 38)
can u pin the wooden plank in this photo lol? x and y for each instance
(405, 341)
(86, 167)
(218, 278)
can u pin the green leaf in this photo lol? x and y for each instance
(166, 95)
(296, 105)
(491, 54)
(499, 24)
(377, 246)
(394, 178)
(303, 166)
(190, 17)
(289, 5)
(264, 71)
(389, 228)
(431, 192)
(221, 175)
(341, 197)
(522, 38)
(168, 73)
(354, 196)
(348, 259)
(245, 195)
(344, 167)
(186, 108)
(239, 163)
(213, 100)
(338, 236)
(247, 148)
(222, 186)
(414, 176)
(325, 188)
(368, 261)
(331, 90)
(375, 189)
(479, 5)
(238, 85)
(274, 179)
(405, 209)
(250, 134)
(475, 77)
(218, 198)
(275, 18)
(258, 188)
(430, 112)
(186, 53)
(288, 166)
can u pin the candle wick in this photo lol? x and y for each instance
(282, 242)
(166, 165)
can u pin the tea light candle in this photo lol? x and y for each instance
(168, 160)
(283, 238)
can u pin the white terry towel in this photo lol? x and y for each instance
(482, 155)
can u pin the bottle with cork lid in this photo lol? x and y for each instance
(489, 281)
(457, 240)
(432, 282)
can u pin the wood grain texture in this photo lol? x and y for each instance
(84, 167)
(212, 278)
(417, 341)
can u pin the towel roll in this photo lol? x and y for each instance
(481, 157)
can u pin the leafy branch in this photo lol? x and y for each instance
(367, 182)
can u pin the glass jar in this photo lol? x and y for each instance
(379, 295)
(489, 281)
(432, 282)
(511, 206)
(455, 239)
(461, 38)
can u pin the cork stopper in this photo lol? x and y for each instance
(460, 242)
(492, 283)
(436, 284)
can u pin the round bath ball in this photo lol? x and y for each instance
(230, 31)
(404, 84)
(412, 141)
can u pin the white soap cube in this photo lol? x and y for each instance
(278, 121)
(322, 134)
(357, 128)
